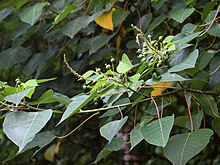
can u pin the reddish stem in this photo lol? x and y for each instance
(190, 115)
(158, 113)
(61, 137)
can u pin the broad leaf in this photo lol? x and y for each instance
(216, 125)
(135, 136)
(208, 7)
(45, 98)
(110, 129)
(166, 77)
(180, 15)
(124, 65)
(21, 127)
(63, 14)
(4, 13)
(77, 103)
(105, 20)
(12, 56)
(99, 41)
(188, 62)
(208, 105)
(182, 147)
(17, 97)
(158, 131)
(215, 71)
(73, 27)
(116, 144)
(40, 140)
(157, 21)
(197, 119)
(187, 39)
(31, 14)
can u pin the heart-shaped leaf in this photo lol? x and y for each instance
(135, 136)
(31, 14)
(124, 65)
(21, 127)
(158, 131)
(188, 62)
(110, 129)
(17, 97)
(180, 15)
(182, 147)
(76, 105)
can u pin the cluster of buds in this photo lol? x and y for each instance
(154, 52)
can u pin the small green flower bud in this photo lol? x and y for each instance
(112, 60)
(139, 51)
(160, 37)
(143, 59)
(98, 70)
(84, 86)
(149, 36)
(108, 66)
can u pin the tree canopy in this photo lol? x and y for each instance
(109, 82)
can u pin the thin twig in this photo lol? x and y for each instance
(61, 137)
(158, 113)
(216, 14)
(189, 111)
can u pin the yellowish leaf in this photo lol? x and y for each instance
(105, 20)
(159, 88)
(49, 153)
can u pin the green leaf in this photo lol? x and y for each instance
(40, 140)
(88, 74)
(204, 59)
(99, 41)
(135, 77)
(158, 131)
(77, 103)
(167, 77)
(4, 13)
(182, 147)
(180, 15)
(188, 62)
(45, 98)
(197, 119)
(116, 144)
(208, 8)
(12, 56)
(31, 14)
(7, 3)
(208, 103)
(102, 155)
(21, 127)
(178, 56)
(187, 39)
(73, 27)
(216, 125)
(124, 65)
(157, 21)
(135, 136)
(17, 97)
(63, 14)
(110, 129)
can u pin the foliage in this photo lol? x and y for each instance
(149, 69)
